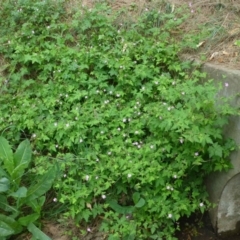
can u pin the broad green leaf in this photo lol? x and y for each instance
(3, 202)
(20, 193)
(11, 225)
(42, 186)
(36, 204)
(4, 184)
(37, 233)
(136, 197)
(5, 229)
(2, 172)
(25, 221)
(4, 205)
(6, 155)
(22, 158)
(140, 203)
(120, 209)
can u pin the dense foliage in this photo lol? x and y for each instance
(133, 129)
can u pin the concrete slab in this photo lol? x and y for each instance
(224, 188)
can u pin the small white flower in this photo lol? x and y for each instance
(139, 113)
(76, 118)
(137, 103)
(66, 95)
(97, 91)
(173, 83)
(97, 160)
(139, 146)
(104, 90)
(129, 175)
(64, 175)
(174, 176)
(32, 32)
(86, 97)
(102, 132)
(56, 146)
(183, 93)
(169, 108)
(67, 125)
(181, 140)
(103, 196)
(89, 230)
(9, 42)
(119, 129)
(169, 215)
(171, 189)
(160, 118)
(168, 187)
(124, 134)
(143, 88)
(80, 140)
(96, 177)
(48, 27)
(151, 146)
(129, 119)
(55, 199)
(201, 204)
(226, 85)
(118, 95)
(110, 92)
(109, 153)
(156, 83)
(34, 135)
(55, 124)
(196, 154)
(87, 177)
(136, 132)
(135, 107)
(124, 120)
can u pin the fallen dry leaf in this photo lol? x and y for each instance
(200, 44)
(214, 55)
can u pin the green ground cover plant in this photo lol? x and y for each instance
(133, 129)
(20, 206)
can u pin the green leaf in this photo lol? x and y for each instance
(36, 204)
(140, 203)
(136, 197)
(215, 150)
(25, 221)
(5, 229)
(4, 184)
(120, 209)
(20, 193)
(37, 233)
(22, 158)
(9, 225)
(6, 155)
(42, 186)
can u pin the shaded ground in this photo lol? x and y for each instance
(200, 229)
